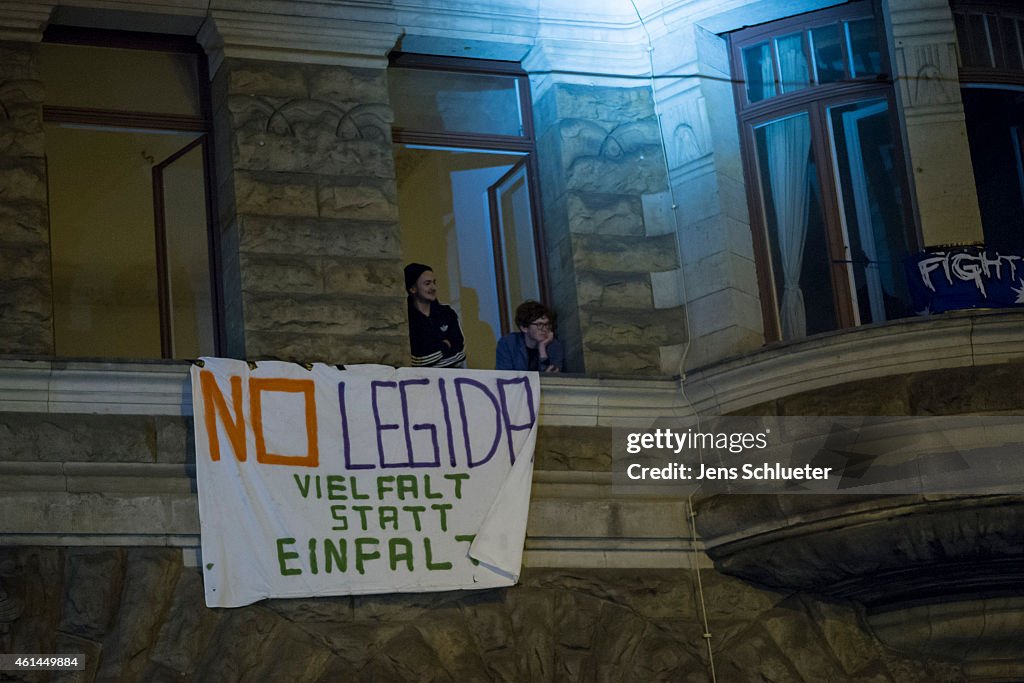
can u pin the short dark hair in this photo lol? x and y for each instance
(413, 272)
(530, 311)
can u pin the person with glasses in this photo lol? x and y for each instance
(534, 346)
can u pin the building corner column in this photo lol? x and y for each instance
(306, 187)
(26, 312)
(698, 122)
(925, 71)
(607, 215)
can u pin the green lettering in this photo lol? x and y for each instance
(415, 510)
(304, 490)
(382, 489)
(337, 514)
(362, 555)
(353, 484)
(442, 513)
(388, 515)
(312, 556)
(336, 487)
(283, 557)
(431, 565)
(458, 479)
(397, 557)
(468, 539)
(407, 484)
(362, 510)
(335, 555)
(426, 488)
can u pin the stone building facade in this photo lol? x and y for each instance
(643, 198)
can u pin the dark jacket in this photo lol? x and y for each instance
(428, 333)
(511, 354)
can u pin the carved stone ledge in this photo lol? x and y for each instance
(23, 21)
(942, 576)
(882, 551)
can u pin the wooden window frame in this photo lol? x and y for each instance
(170, 122)
(1011, 9)
(814, 100)
(524, 143)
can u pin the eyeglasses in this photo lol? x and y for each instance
(541, 326)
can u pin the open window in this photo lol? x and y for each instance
(990, 38)
(825, 182)
(467, 200)
(127, 168)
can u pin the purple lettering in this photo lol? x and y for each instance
(461, 382)
(381, 428)
(507, 419)
(436, 462)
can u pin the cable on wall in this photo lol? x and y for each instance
(690, 513)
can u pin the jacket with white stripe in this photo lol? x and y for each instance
(427, 334)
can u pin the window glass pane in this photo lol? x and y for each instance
(513, 223)
(1018, 33)
(873, 229)
(995, 119)
(792, 62)
(187, 251)
(828, 54)
(981, 51)
(995, 37)
(865, 57)
(102, 239)
(449, 102)
(757, 69)
(119, 79)
(963, 41)
(800, 261)
(1011, 44)
(445, 218)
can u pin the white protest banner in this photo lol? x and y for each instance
(365, 480)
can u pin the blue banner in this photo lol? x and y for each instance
(955, 278)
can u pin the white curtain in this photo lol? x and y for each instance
(767, 76)
(788, 143)
(792, 63)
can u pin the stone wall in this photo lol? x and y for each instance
(978, 390)
(150, 439)
(721, 290)
(603, 187)
(138, 615)
(309, 213)
(26, 321)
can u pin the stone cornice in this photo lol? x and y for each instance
(952, 340)
(318, 40)
(349, 33)
(913, 345)
(574, 521)
(24, 21)
(570, 41)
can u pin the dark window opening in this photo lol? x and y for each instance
(128, 161)
(467, 195)
(995, 131)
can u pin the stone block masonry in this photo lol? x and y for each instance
(600, 158)
(138, 615)
(310, 210)
(26, 318)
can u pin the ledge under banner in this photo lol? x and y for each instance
(371, 479)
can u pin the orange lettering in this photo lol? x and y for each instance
(300, 386)
(213, 405)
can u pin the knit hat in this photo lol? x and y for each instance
(412, 274)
